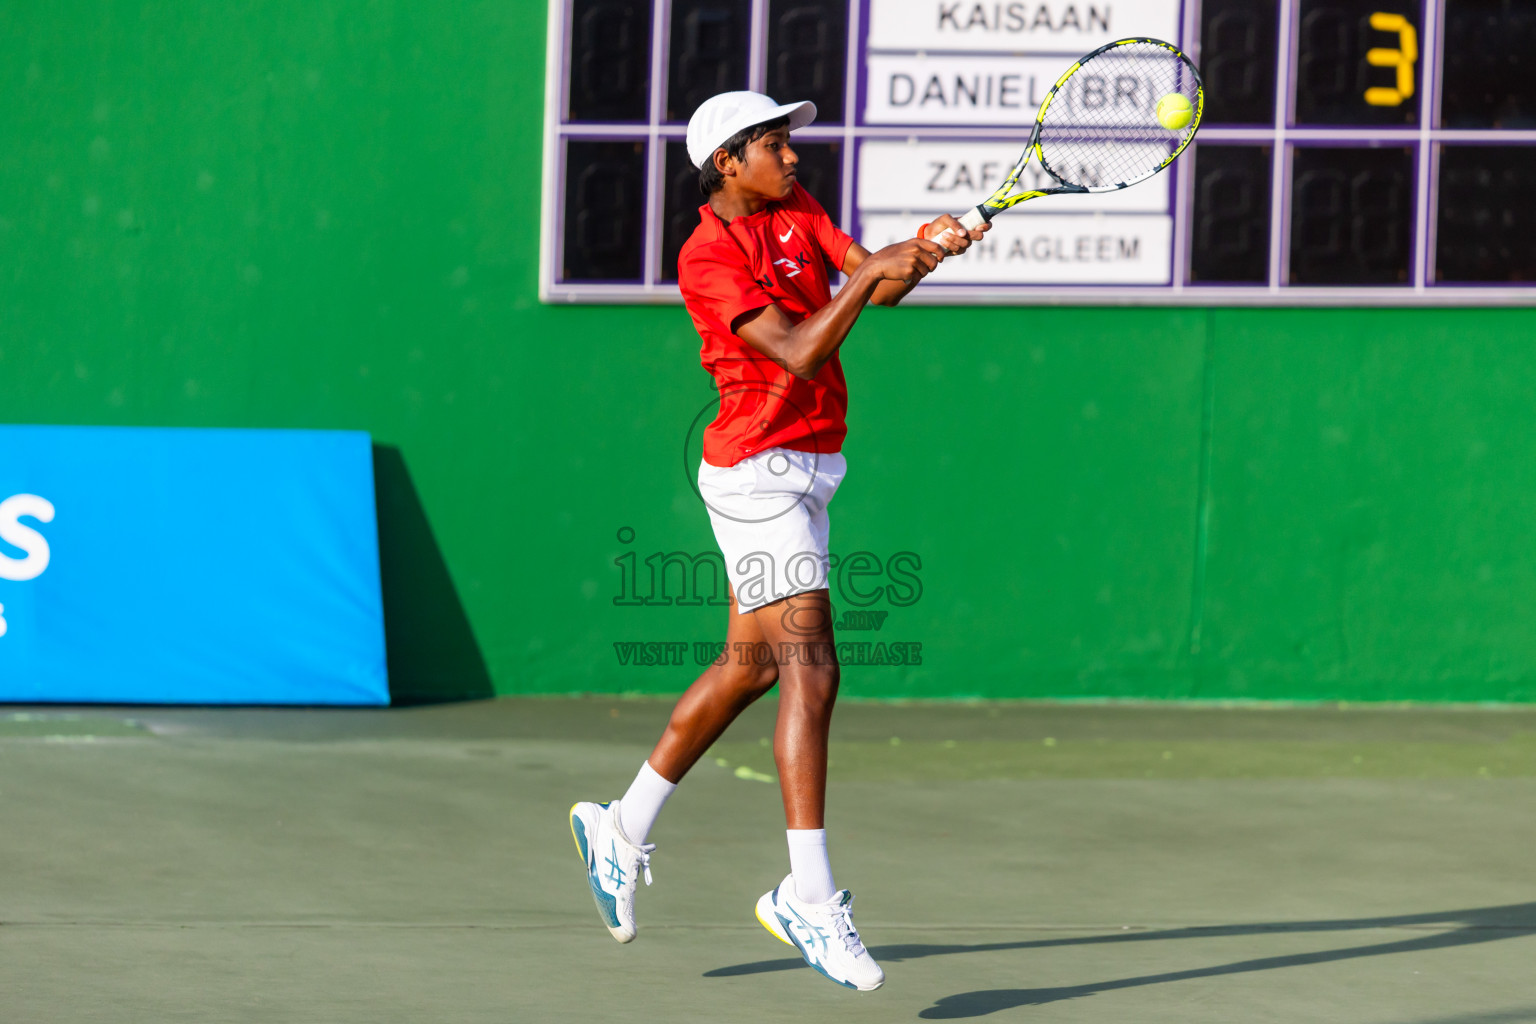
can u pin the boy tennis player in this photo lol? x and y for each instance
(754, 277)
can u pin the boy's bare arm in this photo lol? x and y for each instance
(804, 348)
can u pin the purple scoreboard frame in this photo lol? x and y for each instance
(1284, 136)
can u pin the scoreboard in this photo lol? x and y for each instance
(1352, 152)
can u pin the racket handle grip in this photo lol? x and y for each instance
(972, 218)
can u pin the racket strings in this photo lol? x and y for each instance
(1101, 129)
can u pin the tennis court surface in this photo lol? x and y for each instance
(1012, 862)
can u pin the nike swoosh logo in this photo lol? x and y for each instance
(785, 236)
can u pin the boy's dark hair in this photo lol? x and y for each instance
(710, 178)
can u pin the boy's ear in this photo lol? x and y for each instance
(724, 162)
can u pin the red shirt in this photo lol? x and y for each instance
(777, 256)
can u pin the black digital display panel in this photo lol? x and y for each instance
(610, 60)
(820, 173)
(1239, 41)
(1229, 240)
(1490, 64)
(1351, 215)
(808, 53)
(1487, 225)
(707, 52)
(604, 238)
(680, 209)
(1357, 62)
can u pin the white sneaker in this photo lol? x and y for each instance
(613, 864)
(824, 934)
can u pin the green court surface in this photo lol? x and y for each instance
(1018, 862)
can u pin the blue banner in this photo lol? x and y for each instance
(146, 565)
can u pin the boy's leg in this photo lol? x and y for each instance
(798, 630)
(801, 628)
(744, 673)
(611, 838)
(806, 910)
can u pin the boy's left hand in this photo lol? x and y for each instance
(958, 239)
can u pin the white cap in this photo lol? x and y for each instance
(720, 117)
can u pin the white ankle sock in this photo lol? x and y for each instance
(639, 807)
(809, 865)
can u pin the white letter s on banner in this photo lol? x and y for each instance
(32, 543)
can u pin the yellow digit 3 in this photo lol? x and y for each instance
(1402, 58)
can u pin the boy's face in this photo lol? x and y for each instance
(767, 168)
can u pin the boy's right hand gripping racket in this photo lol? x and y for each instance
(1117, 117)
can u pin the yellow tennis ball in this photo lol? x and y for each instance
(1174, 112)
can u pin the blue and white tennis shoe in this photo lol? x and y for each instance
(823, 933)
(614, 864)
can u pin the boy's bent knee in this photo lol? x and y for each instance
(766, 677)
(751, 681)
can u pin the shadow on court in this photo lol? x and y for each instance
(1518, 1015)
(1449, 929)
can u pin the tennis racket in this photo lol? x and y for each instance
(1117, 117)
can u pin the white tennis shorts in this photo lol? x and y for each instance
(769, 512)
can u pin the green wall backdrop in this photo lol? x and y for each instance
(254, 213)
